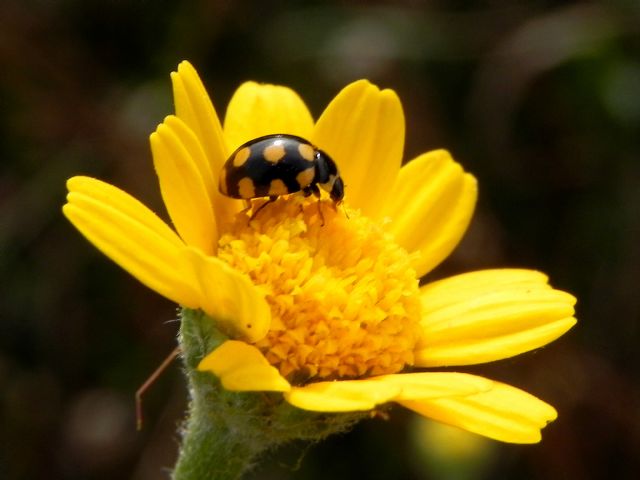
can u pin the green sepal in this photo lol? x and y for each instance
(226, 432)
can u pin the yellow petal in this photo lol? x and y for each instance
(461, 287)
(424, 385)
(362, 130)
(489, 315)
(343, 395)
(229, 297)
(503, 413)
(186, 183)
(261, 109)
(132, 236)
(487, 350)
(241, 367)
(430, 207)
(109, 195)
(192, 144)
(194, 107)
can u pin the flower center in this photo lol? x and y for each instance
(343, 295)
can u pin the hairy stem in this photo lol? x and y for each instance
(226, 432)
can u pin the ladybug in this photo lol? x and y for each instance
(279, 164)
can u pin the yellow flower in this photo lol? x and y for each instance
(330, 314)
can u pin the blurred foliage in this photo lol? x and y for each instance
(539, 99)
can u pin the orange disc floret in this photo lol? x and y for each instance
(343, 295)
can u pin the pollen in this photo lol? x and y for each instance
(343, 295)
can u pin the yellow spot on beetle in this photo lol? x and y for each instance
(307, 152)
(246, 188)
(222, 182)
(273, 153)
(305, 177)
(277, 187)
(241, 157)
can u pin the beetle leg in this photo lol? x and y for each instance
(247, 206)
(313, 188)
(272, 198)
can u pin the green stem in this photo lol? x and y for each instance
(213, 446)
(226, 432)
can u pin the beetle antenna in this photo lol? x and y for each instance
(344, 209)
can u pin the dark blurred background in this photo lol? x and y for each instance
(539, 99)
